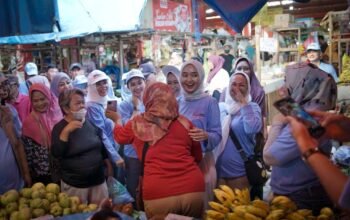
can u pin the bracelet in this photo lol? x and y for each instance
(310, 152)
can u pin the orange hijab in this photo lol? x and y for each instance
(161, 109)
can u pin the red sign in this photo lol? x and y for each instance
(172, 16)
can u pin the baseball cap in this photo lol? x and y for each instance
(96, 76)
(31, 69)
(171, 69)
(75, 65)
(80, 81)
(313, 46)
(147, 68)
(132, 74)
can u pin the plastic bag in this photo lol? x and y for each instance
(342, 156)
(118, 192)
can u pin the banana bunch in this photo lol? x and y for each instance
(235, 204)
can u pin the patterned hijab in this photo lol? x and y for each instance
(199, 93)
(218, 63)
(161, 109)
(56, 81)
(255, 87)
(37, 125)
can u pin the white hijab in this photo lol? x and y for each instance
(199, 93)
(227, 110)
(93, 96)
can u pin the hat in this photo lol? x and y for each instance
(31, 69)
(75, 65)
(96, 76)
(147, 68)
(313, 46)
(132, 74)
(80, 80)
(170, 69)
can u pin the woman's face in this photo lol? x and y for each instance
(243, 66)
(63, 85)
(190, 79)
(102, 88)
(238, 87)
(172, 81)
(136, 86)
(76, 103)
(40, 102)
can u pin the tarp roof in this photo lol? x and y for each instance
(236, 13)
(78, 18)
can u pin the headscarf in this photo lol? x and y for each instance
(92, 93)
(218, 63)
(56, 81)
(39, 79)
(199, 93)
(255, 86)
(161, 109)
(37, 125)
(311, 87)
(230, 107)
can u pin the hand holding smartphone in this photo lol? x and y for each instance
(288, 107)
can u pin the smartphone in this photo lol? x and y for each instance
(288, 107)
(3, 103)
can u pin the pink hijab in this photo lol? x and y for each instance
(161, 109)
(38, 126)
(218, 62)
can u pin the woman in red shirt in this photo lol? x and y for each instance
(173, 182)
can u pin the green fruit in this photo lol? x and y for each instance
(62, 195)
(23, 200)
(36, 203)
(74, 208)
(46, 204)
(54, 204)
(25, 214)
(67, 211)
(74, 200)
(92, 207)
(81, 207)
(53, 188)
(11, 207)
(56, 211)
(22, 206)
(64, 202)
(38, 212)
(14, 215)
(26, 193)
(9, 197)
(41, 194)
(51, 197)
(38, 186)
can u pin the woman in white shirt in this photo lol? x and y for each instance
(217, 77)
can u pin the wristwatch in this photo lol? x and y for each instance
(310, 152)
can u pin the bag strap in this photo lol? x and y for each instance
(144, 151)
(238, 146)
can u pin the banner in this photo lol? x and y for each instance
(172, 16)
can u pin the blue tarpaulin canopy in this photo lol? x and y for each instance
(236, 13)
(75, 18)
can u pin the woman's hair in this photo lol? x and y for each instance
(66, 96)
(105, 214)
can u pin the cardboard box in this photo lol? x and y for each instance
(283, 20)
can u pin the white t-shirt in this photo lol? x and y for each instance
(218, 82)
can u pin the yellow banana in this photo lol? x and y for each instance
(310, 217)
(327, 211)
(249, 216)
(218, 207)
(280, 199)
(323, 217)
(246, 195)
(274, 216)
(295, 216)
(223, 197)
(261, 204)
(228, 190)
(240, 197)
(304, 212)
(240, 210)
(233, 216)
(215, 214)
(256, 211)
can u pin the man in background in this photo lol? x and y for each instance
(228, 58)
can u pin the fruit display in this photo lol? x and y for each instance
(40, 200)
(235, 204)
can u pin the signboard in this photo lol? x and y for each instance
(268, 44)
(172, 16)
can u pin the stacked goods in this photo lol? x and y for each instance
(236, 205)
(345, 74)
(40, 200)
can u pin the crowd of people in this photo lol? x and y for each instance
(173, 137)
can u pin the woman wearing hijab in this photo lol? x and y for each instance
(244, 118)
(97, 98)
(173, 182)
(217, 75)
(313, 89)
(37, 129)
(172, 75)
(38, 79)
(59, 83)
(204, 113)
